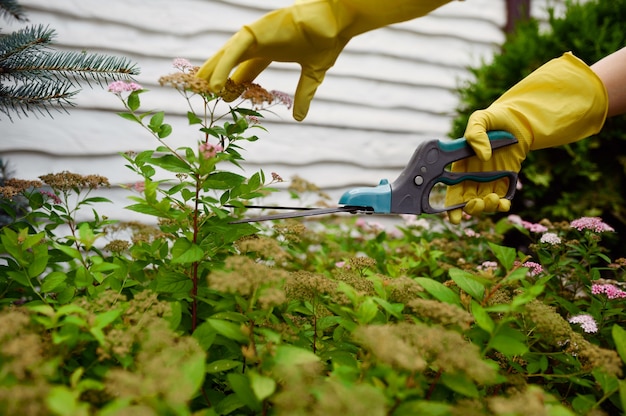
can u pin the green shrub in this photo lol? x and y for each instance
(584, 178)
(197, 316)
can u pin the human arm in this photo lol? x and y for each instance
(311, 33)
(612, 71)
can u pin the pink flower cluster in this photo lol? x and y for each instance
(54, 197)
(586, 322)
(611, 291)
(594, 224)
(533, 268)
(182, 64)
(283, 98)
(530, 226)
(372, 226)
(209, 150)
(118, 87)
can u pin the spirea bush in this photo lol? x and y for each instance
(338, 315)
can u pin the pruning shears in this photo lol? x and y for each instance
(410, 193)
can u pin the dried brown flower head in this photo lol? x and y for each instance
(13, 187)
(67, 181)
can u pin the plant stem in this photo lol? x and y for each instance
(194, 266)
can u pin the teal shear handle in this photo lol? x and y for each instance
(410, 192)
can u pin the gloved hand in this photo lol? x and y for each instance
(561, 102)
(312, 33)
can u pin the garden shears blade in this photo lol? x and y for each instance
(410, 193)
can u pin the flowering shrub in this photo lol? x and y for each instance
(339, 315)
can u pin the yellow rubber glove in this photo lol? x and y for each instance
(561, 102)
(312, 33)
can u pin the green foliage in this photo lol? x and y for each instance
(35, 78)
(195, 315)
(584, 178)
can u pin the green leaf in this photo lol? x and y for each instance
(193, 119)
(205, 335)
(104, 319)
(508, 345)
(193, 371)
(39, 261)
(130, 117)
(367, 311)
(133, 100)
(394, 309)
(184, 251)
(156, 120)
(262, 386)
(70, 251)
(622, 393)
(289, 355)
(229, 404)
(482, 318)
(174, 282)
(219, 366)
(608, 383)
(439, 291)
(241, 386)
(619, 337)
(505, 255)
(61, 401)
(171, 163)
(164, 131)
(223, 180)
(460, 383)
(83, 277)
(468, 283)
(582, 404)
(228, 329)
(53, 281)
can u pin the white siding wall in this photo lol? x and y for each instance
(390, 89)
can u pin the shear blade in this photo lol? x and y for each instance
(305, 213)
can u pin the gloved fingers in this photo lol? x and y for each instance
(248, 71)
(474, 206)
(476, 134)
(217, 69)
(310, 80)
(455, 216)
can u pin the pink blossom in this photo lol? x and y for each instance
(586, 322)
(533, 268)
(594, 224)
(139, 186)
(532, 227)
(118, 87)
(470, 233)
(51, 195)
(412, 220)
(611, 291)
(488, 266)
(209, 150)
(342, 264)
(182, 64)
(366, 225)
(282, 98)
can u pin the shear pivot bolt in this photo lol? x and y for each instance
(418, 180)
